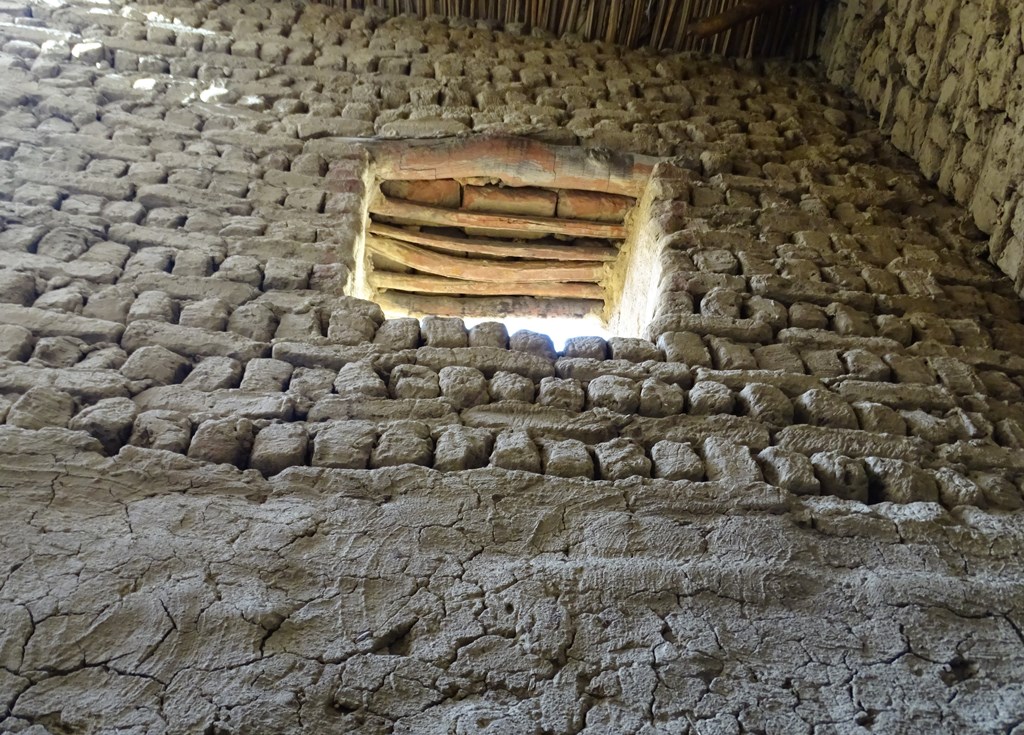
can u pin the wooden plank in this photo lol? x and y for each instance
(523, 200)
(411, 212)
(593, 205)
(487, 307)
(438, 192)
(475, 269)
(516, 161)
(514, 200)
(497, 248)
(439, 285)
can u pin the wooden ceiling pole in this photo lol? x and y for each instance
(476, 269)
(535, 250)
(441, 217)
(515, 161)
(438, 285)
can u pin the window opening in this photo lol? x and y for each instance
(500, 228)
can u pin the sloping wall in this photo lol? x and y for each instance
(945, 78)
(237, 500)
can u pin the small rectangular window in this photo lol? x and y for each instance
(499, 228)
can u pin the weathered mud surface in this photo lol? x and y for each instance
(237, 500)
(147, 593)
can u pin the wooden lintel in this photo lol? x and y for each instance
(515, 161)
(487, 307)
(477, 269)
(535, 250)
(438, 285)
(440, 217)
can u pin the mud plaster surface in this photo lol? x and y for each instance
(173, 258)
(155, 595)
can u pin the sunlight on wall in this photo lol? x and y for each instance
(558, 329)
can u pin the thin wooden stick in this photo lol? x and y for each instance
(613, 21)
(727, 40)
(682, 41)
(747, 31)
(438, 285)
(716, 9)
(536, 249)
(666, 37)
(705, 6)
(441, 217)
(563, 20)
(476, 269)
(574, 18)
(812, 31)
(658, 29)
(755, 24)
(635, 25)
(627, 38)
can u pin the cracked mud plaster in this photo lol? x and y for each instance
(150, 593)
(180, 208)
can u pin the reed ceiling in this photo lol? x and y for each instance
(740, 28)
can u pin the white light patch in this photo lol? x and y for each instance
(144, 85)
(213, 93)
(253, 102)
(558, 329)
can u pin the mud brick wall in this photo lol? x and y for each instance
(239, 500)
(944, 79)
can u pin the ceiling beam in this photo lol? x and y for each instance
(515, 161)
(422, 214)
(438, 285)
(535, 250)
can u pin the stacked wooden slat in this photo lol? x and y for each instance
(489, 226)
(494, 241)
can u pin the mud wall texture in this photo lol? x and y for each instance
(238, 500)
(944, 78)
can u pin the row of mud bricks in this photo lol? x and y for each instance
(468, 398)
(180, 212)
